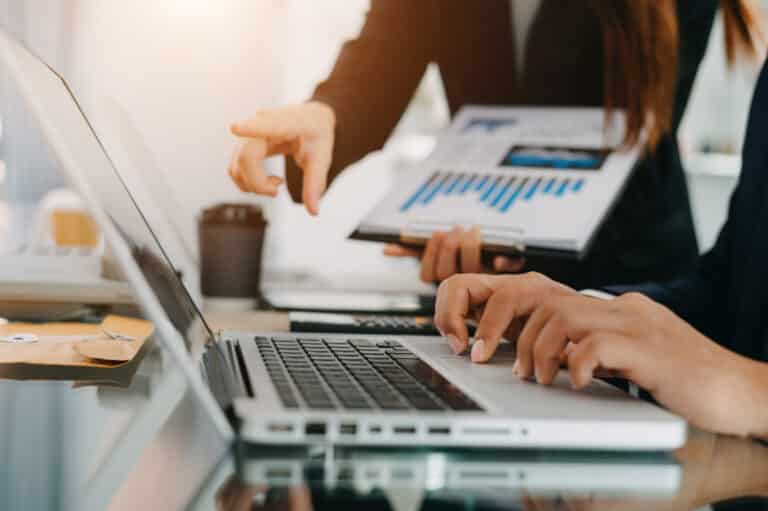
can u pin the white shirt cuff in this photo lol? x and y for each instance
(595, 293)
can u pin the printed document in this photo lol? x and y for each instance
(531, 179)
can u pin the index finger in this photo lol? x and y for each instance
(518, 298)
(315, 162)
(456, 298)
(274, 123)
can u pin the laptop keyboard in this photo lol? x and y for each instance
(358, 375)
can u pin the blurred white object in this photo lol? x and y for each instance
(711, 180)
(37, 272)
(51, 263)
(58, 201)
(5, 225)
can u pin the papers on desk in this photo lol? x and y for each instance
(534, 180)
(71, 350)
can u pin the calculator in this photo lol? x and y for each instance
(315, 322)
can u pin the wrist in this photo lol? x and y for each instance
(757, 377)
(326, 112)
(739, 396)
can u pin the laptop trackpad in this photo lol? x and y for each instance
(494, 385)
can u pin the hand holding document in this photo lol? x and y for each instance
(533, 180)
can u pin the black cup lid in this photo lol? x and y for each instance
(233, 214)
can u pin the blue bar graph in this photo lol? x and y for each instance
(436, 189)
(454, 184)
(482, 182)
(500, 192)
(503, 192)
(468, 183)
(512, 198)
(532, 190)
(490, 189)
(423, 188)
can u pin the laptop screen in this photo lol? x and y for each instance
(64, 121)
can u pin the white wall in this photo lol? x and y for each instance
(180, 71)
(41, 25)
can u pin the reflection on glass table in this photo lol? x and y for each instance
(725, 473)
(69, 445)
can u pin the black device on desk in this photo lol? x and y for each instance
(316, 322)
(350, 301)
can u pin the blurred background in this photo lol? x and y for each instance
(176, 73)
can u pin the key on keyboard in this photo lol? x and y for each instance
(357, 375)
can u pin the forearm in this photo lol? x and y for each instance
(373, 80)
(736, 396)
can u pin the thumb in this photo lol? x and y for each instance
(250, 168)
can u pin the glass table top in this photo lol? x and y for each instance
(79, 446)
(710, 472)
(149, 443)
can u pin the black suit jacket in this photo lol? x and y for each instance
(727, 297)
(650, 235)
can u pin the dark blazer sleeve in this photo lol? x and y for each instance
(730, 272)
(373, 80)
(699, 297)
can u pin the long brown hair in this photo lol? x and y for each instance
(641, 44)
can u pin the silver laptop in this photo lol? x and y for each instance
(334, 389)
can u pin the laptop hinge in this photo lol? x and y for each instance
(221, 374)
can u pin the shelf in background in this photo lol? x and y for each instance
(712, 164)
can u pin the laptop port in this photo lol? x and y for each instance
(314, 429)
(439, 430)
(314, 475)
(279, 473)
(345, 474)
(404, 430)
(279, 427)
(481, 431)
(484, 475)
(348, 429)
(374, 430)
(402, 474)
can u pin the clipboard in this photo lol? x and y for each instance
(489, 250)
(536, 181)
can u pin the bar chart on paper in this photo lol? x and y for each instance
(499, 192)
(540, 180)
